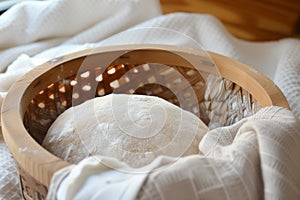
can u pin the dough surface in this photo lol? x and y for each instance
(132, 128)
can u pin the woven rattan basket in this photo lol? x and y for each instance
(35, 101)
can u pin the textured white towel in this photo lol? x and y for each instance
(256, 158)
(30, 28)
(33, 32)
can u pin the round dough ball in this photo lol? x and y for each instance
(132, 128)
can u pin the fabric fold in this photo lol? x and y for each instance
(255, 158)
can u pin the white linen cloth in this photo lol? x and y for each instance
(256, 158)
(35, 28)
(33, 32)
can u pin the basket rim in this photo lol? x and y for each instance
(41, 164)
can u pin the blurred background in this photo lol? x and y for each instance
(252, 20)
(255, 20)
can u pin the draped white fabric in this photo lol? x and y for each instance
(256, 158)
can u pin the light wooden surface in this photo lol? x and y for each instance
(247, 19)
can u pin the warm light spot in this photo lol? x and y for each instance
(111, 71)
(115, 84)
(190, 72)
(75, 95)
(64, 103)
(86, 88)
(131, 91)
(101, 92)
(146, 67)
(99, 78)
(41, 105)
(73, 82)
(49, 86)
(151, 79)
(51, 96)
(85, 74)
(62, 89)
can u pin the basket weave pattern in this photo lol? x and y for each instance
(35, 101)
(77, 88)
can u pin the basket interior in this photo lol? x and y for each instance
(75, 81)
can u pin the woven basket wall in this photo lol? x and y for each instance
(71, 80)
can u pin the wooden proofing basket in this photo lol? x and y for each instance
(35, 101)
